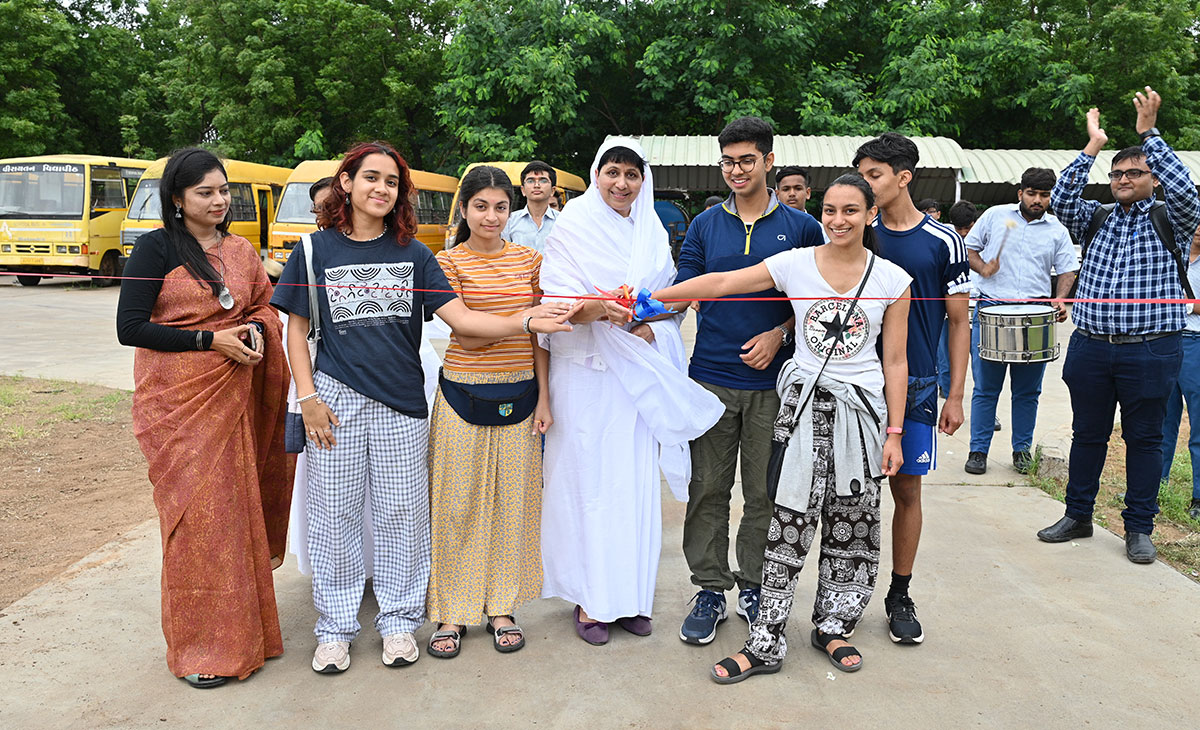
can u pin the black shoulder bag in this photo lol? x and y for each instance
(775, 464)
(1162, 226)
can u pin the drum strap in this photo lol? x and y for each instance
(1162, 226)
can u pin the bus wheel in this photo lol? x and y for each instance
(28, 280)
(108, 270)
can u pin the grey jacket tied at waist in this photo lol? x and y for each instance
(855, 432)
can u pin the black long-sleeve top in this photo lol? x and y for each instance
(152, 259)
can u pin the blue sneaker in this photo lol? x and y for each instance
(747, 606)
(700, 626)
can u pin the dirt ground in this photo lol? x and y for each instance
(71, 477)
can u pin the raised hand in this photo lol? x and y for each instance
(1096, 136)
(1147, 105)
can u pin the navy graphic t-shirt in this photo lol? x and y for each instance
(370, 317)
(936, 258)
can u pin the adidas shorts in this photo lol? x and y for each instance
(919, 448)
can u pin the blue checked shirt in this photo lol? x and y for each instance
(1126, 259)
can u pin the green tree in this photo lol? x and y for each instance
(34, 38)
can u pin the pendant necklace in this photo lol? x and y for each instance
(224, 298)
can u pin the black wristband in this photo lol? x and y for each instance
(206, 338)
(1151, 132)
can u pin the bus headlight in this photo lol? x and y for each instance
(6, 248)
(60, 249)
(73, 249)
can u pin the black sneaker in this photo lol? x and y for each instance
(903, 626)
(1194, 509)
(1023, 461)
(700, 626)
(996, 426)
(976, 463)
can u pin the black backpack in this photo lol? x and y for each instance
(1162, 226)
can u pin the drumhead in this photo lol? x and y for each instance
(1009, 310)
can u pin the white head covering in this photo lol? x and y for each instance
(593, 247)
(609, 250)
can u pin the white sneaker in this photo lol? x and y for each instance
(332, 657)
(400, 650)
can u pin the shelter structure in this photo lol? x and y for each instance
(947, 172)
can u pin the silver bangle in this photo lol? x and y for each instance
(309, 397)
(199, 339)
(525, 324)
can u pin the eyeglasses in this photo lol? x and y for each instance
(746, 164)
(537, 181)
(1134, 175)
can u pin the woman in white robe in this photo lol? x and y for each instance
(624, 409)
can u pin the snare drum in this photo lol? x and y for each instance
(1018, 333)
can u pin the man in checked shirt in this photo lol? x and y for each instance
(1124, 353)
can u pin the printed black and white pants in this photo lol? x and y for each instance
(849, 559)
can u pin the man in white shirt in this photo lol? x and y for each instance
(531, 225)
(1022, 243)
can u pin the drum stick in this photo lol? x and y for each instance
(1009, 225)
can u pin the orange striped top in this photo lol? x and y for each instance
(514, 268)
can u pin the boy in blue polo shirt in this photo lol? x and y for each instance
(740, 347)
(934, 256)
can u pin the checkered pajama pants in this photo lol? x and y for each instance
(379, 446)
(849, 561)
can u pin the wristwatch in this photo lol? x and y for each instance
(1151, 132)
(787, 334)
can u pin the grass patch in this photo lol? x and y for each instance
(1176, 535)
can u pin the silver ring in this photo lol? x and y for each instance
(312, 430)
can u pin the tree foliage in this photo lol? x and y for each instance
(450, 81)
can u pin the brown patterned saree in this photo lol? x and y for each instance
(212, 432)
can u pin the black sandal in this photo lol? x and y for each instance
(455, 636)
(757, 666)
(821, 641)
(506, 631)
(199, 682)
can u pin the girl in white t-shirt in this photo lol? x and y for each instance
(829, 450)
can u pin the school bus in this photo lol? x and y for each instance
(568, 187)
(61, 214)
(253, 190)
(295, 217)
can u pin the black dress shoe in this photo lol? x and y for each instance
(1065, 529)
(976, 463)
(1022, 461)
(1139, 549)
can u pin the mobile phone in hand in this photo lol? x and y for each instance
(252, 338)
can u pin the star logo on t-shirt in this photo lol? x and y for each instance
(832, 324)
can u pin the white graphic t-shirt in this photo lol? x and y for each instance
(819, 321)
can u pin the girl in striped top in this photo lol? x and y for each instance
(486, 480)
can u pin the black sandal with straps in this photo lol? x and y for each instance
(821, 641)
(502, 631)
(757, 666)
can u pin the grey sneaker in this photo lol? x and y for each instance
(332, 657)
(400, 650)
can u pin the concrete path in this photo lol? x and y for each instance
(1019, 634)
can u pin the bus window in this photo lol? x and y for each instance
(130, 175)
(264, 213)
(241, 202)
(145, 204)
(108, 192)
(294, 206)
(41, 190)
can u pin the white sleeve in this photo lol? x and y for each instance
(780, 266)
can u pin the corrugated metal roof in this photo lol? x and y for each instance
(1006, 166)
(804, 150)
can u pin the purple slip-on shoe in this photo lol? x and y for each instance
(593, 632)
(636, 625)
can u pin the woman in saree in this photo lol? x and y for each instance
(210, 394)
(623, 408)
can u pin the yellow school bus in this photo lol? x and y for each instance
(295, 216)
(254, 191)
(61, 214)
(567, 187)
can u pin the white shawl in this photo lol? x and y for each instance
(593, 247)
